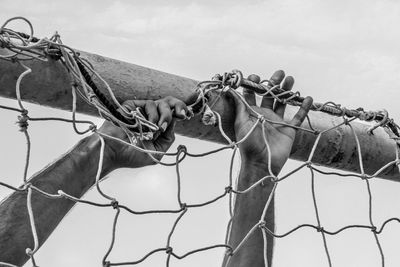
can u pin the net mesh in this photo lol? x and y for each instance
(137, 127)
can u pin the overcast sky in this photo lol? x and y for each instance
(344, 51)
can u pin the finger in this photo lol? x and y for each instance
(287, 85)
(151, 111)
(240, 107)
(131, 105)
(165, 140)
(276, 78)
(165, 114)
(180, 109)
(148, 106)
(303, 111)
(248, 93)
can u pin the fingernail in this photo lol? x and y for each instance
(183, 113)
(191, 114)
(164, 126)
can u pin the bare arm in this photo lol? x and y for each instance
(248, 210)
(74, 173)
(254, 155)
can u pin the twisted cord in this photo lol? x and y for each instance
(235, 80)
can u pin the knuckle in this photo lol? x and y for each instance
(168, 99)
(168, 116)
(129, 103)
(179, 104)
(164, 104)
(151, 104)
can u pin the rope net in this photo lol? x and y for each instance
(25, 47)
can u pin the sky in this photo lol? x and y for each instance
(344, 51)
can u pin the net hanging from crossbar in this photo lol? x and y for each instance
(25, 47)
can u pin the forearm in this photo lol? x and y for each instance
(247, 213)
(74, 173)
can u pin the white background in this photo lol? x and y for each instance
(344, 51)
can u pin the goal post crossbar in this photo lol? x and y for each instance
(49, 84)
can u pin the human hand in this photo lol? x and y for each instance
(280, 137)
(161, 112)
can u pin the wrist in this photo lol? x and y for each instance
(87, 154)
(260, 165)
(75, 171)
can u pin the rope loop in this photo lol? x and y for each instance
(182, 149)
(237, 77)
(29, 252)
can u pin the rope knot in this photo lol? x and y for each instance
(209, 117)
(168, 250)
(261, 224)
(232, 144)
(29, 252)
(23, 121)
(384, 121)
(115, 204)
(93, 128)
(373, 229)
(91, 96)
(320, 229)
(229, 252)
(26, 186)
(274, 179)
(343, 110)
(183, 206)
(228, 189)
(106, 264)
(236, 79)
